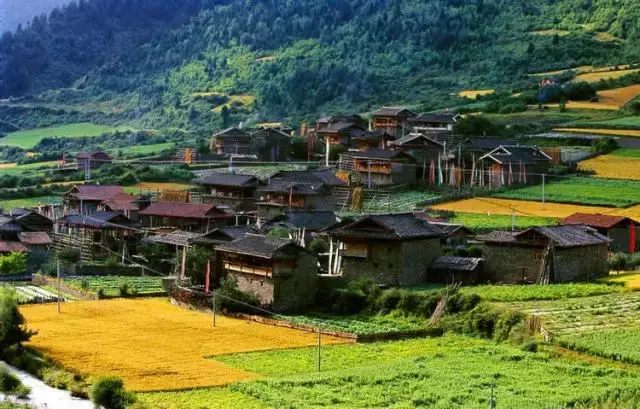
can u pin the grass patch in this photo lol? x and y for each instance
(477, 221)
(29, 138)
(146, 149)
(398, 201)
(591, 191)
(29, 202)
(627, 153)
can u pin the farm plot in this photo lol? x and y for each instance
(398, 201)
(151, 344)
(474, 93)
(580, 190)
(490, 206)
(513, 293)
(156, 187)
(477, 221)
(451, 372)
(31, 294)
(29, 138)
(619, 345)
(585, 315)
(602, 131)
(29, 202)
(613, 166)
(360, 324)
(114, 286)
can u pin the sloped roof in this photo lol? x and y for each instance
(175, 238)
(486, 143)
(399, 226)
(498, 236)
(258, 246)
(35, 238)
(516, 154)
(340, 126)
(413, 137)
(184, 210)
(394, 111)
(453, 263)
(232, 133)
(95, 192)
(572, 235)
(601, 221)
(98, 220)
(443, 117)
(326, 176)
(379, 154)
(451, 228)
(12, 247)
(233, 180)
(222, 234)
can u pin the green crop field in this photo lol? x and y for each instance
(631, 121)
(581, 190)
(111, 285)
(451, 372)
(29, 202)
(397, 202)
(146, 149)
(619, 345)
(477, 221)
(29, 138)
(627, 153)
(360, 324)
(511, 293)
(586, 315)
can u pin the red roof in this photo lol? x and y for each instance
(12, 247)
(34, 238)
(184, 210)
(96, 192)
(122, 202)
(601, 221)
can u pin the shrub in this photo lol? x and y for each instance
(12, 330)
(85, 285)
(109, 393)
(69, 255)
(230, 298)
(112, 261)
(604, 145)
(318, 246)
(619, 262)
(530, 346)
(22, 391)
(389, 300)
(486, 321)
(8, 381)
(100, 293)
(348, 301)
(57, 378)
(123, 289)
(13, 263)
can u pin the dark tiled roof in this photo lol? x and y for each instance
(326, 176)
(517, 154)
(453, 263)
(451, 228)
(184, 210)
(34, 238)
(222, 179)
(393, 111)
(486, 143)
(379, 154)
(443, 118)
(98, 220)
(390, 227)
(568, 235)
(414, 137)
(374, 135)
(258, 245)
(232, 133)
(601, 221)
(498, 236)
(311, 220)
(223, 234)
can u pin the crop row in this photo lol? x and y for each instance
(112, 286)
(619, 345)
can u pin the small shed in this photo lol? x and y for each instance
(452, 269)
(514, 164)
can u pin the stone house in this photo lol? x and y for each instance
(562, 253)
(622, 231)
(238, 192)
(392, 249)
(282, 274)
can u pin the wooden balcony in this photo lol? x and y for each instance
(247, 269)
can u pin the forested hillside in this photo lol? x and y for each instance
(174, 62)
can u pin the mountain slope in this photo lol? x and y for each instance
(174, 62)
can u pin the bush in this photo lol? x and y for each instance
(13, 263)
(487, 321)
(57, 378)
(604, 145)
(12, 330)
(111, 261)
(8, 381)
(229, 295)
(530, 346)
(123, 289)
(388, 300)
(619, 262)
(318, 246)
(348, 301)
(109, 393)
(69, 256)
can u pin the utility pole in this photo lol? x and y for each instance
(58, 279)
(319, 345)
(543, 180)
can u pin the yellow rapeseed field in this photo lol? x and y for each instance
(604, 75)
(151, 344)
(611, 99)
(630, 280)
(489, 206)
(614, 167)
(473, 93)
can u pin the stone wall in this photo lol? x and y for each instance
(297, 290)
(417, 257)
(581, 263)
(263, 287)
(511, 264)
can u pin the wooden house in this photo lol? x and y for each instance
(514, 164)
(394, 120)
(271, 144)
(379, 167)
(375, 139)
(340, 130)
(392, 249)
(92, 160)
(86, 199)
(545, 254)
(189, 217)
(232, 141)
(622, 231)
(297, 190)
(282, 274)
(237, 192)
(440, 122)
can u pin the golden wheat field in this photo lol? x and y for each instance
(611, 99)
(160, 186)
(614, 167)
(613, 132)
(151, 344)
(489, 206)
(473, 93)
